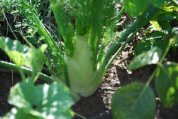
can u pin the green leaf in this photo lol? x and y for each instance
(175, 41)
(134, 101)
(142, 46)
(47, 101)
(18, 58)
(56, 101)
(157, 3)
(153, 40)
(151, 57)
(19, 114)
(16, 51)
(136, 7)
(92, 19)
(36, 62)
(22, 95)
(156, 25)
(167, 84)
(22, 55)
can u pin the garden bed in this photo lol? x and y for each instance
(98, 105)
(143, 48)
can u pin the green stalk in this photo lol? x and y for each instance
(121, 12)
(133, 28)
(55, 51)
(65, 30)
(21, 73)
(67, 81)
(103, 45)
(47, 37)
(37, 23)
(159, 64)
(64, 26)
(118, 51)
(25, 70)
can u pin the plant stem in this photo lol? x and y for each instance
(26, 70)
(157, 68)
(159, 63)
(48, 39)
(121, 12)
(80, 116)
(103, 45)
(65, 28)
(54, 50)
(133, 28)
(119, 50)
(67, 81)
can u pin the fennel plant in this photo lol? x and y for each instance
(85, 28)
(79, 59)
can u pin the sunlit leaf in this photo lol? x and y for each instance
(47, 101)
(153, 40)
(23, 55)
(16, 51)
(19, 114)
(151, 57)
(156, 25)
(167, 84)
(135, 7)
(56, 101)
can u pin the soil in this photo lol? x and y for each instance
(7, 80)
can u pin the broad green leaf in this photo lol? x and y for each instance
(153, 40)
(18, 58)
(23, 55)
(167, 16)
(151, 57)
(19, 114)
(16, 51)
(136, 7)
(22, 95)
(133, 101)
(158, 3)
(56, 101)
(167, 84)
(142, 46)
(47, 101)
